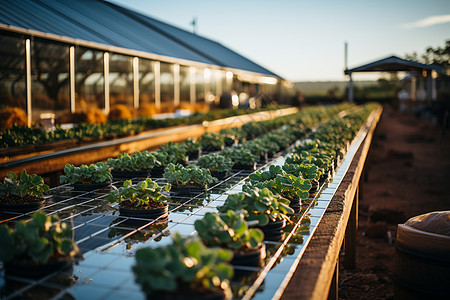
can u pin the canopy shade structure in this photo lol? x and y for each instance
(393, 64)
(397, 64)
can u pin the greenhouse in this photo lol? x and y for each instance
(97, 56)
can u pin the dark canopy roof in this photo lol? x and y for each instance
(392, 64)
(109, 24)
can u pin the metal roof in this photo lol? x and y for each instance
(110, 24)
(392, 64)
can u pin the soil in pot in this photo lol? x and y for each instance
(152, 211)
(31, 269)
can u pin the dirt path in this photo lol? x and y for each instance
(408, 174)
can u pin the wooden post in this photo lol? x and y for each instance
(334, 286)
(350, 235)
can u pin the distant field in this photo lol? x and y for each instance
(320, 88)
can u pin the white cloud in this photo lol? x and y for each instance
(429, 21)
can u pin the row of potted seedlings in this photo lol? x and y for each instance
(260, 211)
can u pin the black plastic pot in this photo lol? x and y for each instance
(21, 208)
(130, 174)
(239, 166)
(219, 175)
(152, 214)
(157, 172)
(188, 190)
(295, 204)
(251, 259)
(273, 231)
(32, 270)
(194, 155)
(314, 188)
(91, 187)
(182, 295)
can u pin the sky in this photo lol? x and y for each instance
(303, 40)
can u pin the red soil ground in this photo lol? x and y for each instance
(408, 174)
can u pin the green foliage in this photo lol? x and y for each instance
(261, 205)
(228, 230)
(211, 141)
(192, 175)
(215, 162)
(256, 148)
(240, 155)
(38, 239)
(94, 173)
(279, 182)
(172, 153)
(140, 194)
(191, 145)
(306, 171)
(184, 263)
(26, 184)
(135, 162)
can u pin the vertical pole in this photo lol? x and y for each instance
(350, 89)
(176, 84)
(28, 78)
(157, 85)
(433, 85)
(350, 234)
(72, 78)
(333, 293)
(136, 82)
(106, 71)
(193, 83)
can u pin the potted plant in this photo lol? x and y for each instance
(243, 158)
(193, 148)
(174, 153)
(185, 269)
(296, 165)
(128, 166)
(143, 200)
(230, 230)
(262, 205)
(87, 178)
(211, 141)
(284, 184)
(22, 194)
(271, 146)
(257, 149)
(37, 247)
(188, 180)
(217, 164)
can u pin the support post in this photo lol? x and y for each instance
(350, 89)
(350, 235)
(333, 294)
(28, 76)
